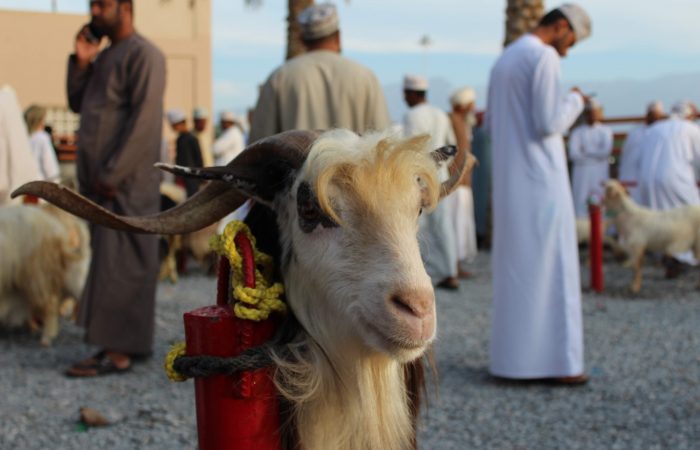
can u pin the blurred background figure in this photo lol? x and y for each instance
(187, 151)
(17, 166)
(670, 159)
(230, 142)
(436, 234)
(628, 170)
(41, 145)
(200, 119)
(320, 89)
(481, 182)
(462, 208)
(590, 145)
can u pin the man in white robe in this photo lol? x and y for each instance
(590, 145)
(628, 170)
(461, 199)
(230, 143)
(17, 164)
(436, 234)
(536, 317)
(670, 158)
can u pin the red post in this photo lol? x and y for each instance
(239, 412)
(596, 247)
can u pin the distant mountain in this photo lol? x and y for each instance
(619, 97)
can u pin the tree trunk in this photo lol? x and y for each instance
(522, 16)
(294, 45)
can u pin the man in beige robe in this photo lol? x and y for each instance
(119, 94)
(320, 89)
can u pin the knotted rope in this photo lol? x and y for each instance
(254, 303)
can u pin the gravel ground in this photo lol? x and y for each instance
(642, 352)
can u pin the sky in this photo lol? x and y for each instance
(640, 50)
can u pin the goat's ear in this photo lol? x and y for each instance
(263, 169)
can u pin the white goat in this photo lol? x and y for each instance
(45, 256)
(672, 231)
(340, 214)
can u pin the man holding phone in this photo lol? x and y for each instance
(118, 92)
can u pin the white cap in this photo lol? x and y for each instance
(578, 18)
(227, 116)
(415, 83)
(318, 21)
(683, 110)
(200, 113)
(463, 97)
(175, 115)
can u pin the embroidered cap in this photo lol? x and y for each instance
(415, 83)
(578, 18)
(200, 113)
(175, 115)
(463, 97)
(318, 21)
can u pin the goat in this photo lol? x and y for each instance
(339, 212)
(669, 232)
(45, 255)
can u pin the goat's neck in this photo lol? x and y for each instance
(360, 403)
(345, 396)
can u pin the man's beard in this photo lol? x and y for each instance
(103, 29)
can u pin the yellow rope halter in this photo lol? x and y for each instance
(251, 303)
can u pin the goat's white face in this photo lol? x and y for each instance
(358, 278)
(615, 192)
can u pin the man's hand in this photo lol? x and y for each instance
(85, 51)
(585, 98)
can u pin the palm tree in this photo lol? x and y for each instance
(294, 44)
(521, 17)
(294, 7)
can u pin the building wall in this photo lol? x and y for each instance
(34, 49)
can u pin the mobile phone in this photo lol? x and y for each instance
(92, 35)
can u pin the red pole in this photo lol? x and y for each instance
(596, 247)
(239, 412)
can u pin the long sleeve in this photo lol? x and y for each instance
(576, 145)
(266, 116)
(629, 159)
(603, 146)
(553, 111)
(146, 72)
(76, 81)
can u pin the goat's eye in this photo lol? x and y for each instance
(309, 212)
(420, 212)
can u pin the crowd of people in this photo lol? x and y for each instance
(521, 189)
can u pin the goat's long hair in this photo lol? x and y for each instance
(363, 399)
(371, 169)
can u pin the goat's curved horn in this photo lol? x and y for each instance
(205, 207)
(462, 162)
(259, 165)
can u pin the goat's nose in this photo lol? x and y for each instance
(415, 302)
(414, 312)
